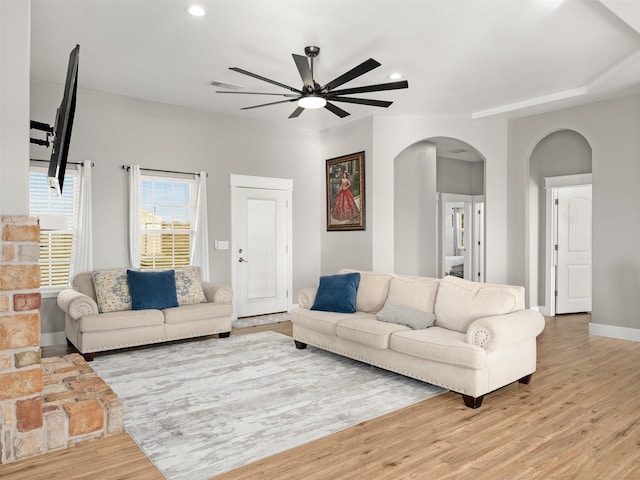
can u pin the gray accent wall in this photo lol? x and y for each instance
(112, 130)
(352, 248)
(611, 128)
(564, 152)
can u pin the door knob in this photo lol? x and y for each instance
(243, 260)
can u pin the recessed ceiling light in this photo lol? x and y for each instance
(395, 76)
(196, 11)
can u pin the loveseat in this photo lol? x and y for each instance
(471, 338)
(113, 309)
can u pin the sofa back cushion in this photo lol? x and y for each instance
(460, 302)
(112, 290)
(416, 292)
(372, 291)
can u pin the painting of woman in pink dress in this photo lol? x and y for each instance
(344, 206)
(345, 192)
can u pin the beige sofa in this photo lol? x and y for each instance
(99, 315)
(482, 337)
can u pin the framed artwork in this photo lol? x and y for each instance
(345, 193)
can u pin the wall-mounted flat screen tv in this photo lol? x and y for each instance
(63, 125)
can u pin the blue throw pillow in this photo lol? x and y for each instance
(155, 290)
(337, 293)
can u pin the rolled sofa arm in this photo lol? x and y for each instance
(493, 332)
(217, 292)
(306, 297)
(76, 304)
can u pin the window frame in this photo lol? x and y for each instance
(150, 262)
(71, 181)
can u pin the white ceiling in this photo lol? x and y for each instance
(480, 58)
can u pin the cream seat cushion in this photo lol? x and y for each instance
(323, 322)
(118, 320)
(439, 345)
(196, 311)
(368, 331)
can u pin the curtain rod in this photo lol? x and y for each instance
(68, 163)
(127, 168)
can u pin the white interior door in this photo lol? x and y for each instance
(260, 250)
(573, 277)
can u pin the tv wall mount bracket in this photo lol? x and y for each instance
(48, 129)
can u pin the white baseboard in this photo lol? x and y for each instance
(53, 338)
(613, 331)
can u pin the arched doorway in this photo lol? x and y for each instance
(562, 159)
(438, 189)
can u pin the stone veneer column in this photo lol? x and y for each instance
(21, 418)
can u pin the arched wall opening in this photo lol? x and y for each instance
(560, 153)
(423, 173)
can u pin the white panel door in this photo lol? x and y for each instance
(261, 251)
(573, 281)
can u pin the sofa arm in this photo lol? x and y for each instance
(491, 333)
(306, 297)
(217, 292)
(76, 304)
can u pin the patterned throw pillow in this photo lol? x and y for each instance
(112, 290)
(188, 286)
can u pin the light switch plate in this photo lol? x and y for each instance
(222, 244)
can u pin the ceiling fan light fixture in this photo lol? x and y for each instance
(312, 101)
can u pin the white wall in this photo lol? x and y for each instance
(391, 135)
(415, 211)
(351, 248)
(611, 127)
(15, 48)
(113, 130)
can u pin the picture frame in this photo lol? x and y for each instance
(345, 193)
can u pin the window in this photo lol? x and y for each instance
(55, 245)
(167, 221)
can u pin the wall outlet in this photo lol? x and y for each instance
(222, 244)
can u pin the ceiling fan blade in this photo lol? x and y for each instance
(267, 104)
(373, 88)
(264, 79)
(296, 113)
(355, 72)
(305, 71)
(337, 110)
(360, 101)
(261, 93)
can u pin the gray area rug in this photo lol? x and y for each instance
(261, 320)
(198, 409)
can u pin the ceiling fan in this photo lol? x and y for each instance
(313, 95)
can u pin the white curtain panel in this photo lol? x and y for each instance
(134, 216)
(200, 244)
(82, 247)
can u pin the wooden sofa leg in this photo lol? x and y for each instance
(300, 345)
(89, 356)
(473, 402)
(224, 334)
(526, 379)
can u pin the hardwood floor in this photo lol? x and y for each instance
(578, 418)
